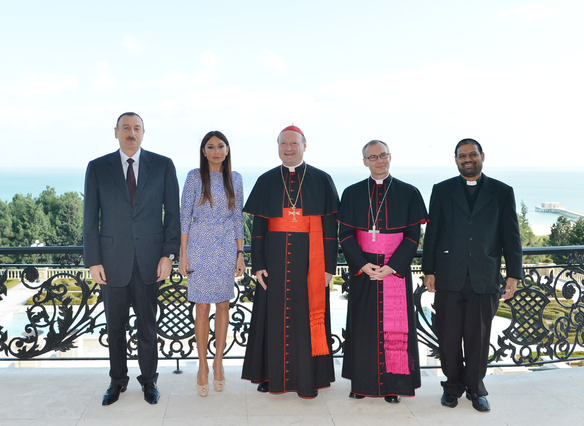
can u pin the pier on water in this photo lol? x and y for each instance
(558, 208)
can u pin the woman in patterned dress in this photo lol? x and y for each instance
(211, 250)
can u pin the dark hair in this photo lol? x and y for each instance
(130, 114)
(466, 142)
(373, 142)
(226, 166)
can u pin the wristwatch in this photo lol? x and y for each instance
(171, 256)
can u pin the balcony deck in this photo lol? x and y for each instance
(63, 396)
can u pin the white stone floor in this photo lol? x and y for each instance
(63, 396)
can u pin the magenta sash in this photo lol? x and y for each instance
(395, 307)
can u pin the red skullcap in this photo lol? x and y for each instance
(294, 129)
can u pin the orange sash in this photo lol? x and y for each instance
(316, 270)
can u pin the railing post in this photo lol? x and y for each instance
(178, 370)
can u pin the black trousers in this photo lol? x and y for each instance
(117, 302)
(463, 320)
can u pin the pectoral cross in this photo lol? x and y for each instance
(373, 231)
(294, 212)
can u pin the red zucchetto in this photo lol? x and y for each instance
(294, 129)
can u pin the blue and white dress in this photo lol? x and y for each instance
(211, 248)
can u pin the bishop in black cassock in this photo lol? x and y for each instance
(380, 222)
(289, 346)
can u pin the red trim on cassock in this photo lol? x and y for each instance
(345, 239)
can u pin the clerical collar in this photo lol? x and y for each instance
(473, 182)
(293, 169)
(380, 181)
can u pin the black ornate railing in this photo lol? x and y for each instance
(49, 310)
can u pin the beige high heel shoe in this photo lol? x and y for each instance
(218, 385)
(203, 390)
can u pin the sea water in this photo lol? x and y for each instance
(532, 186)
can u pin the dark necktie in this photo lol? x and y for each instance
(131, 180)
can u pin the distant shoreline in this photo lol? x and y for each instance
(531, 185)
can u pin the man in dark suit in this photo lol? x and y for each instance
(131, 234)
(472, 223)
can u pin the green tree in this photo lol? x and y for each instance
(69, 220)
(6, 234)
(560, 235)
(50, 218)
(528, 237)
(247, 228)
(577, 233)
(50, 203)
(29, 223)
(5, 224)
(560, 232)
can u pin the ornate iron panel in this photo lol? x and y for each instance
(54, 322)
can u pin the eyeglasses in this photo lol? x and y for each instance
(375, 157)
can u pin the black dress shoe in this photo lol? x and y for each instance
(151, 394)
(479, 403)
(264, 387)
(449, 400)
(392, 399)
(112, 394)
(355, 396)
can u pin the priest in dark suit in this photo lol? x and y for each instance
(380, 220)
(131, 234)
(473, 223)
(294, 255)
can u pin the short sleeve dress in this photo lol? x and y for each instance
(211, 248)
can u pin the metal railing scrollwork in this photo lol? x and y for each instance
(61, 309)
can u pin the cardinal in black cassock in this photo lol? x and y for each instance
(380, 225)
(294, 242)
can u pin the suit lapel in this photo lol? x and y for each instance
(485, 195)
(460, 197)
(144, 169)
(117, 173)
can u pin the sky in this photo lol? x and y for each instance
(419, 75)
